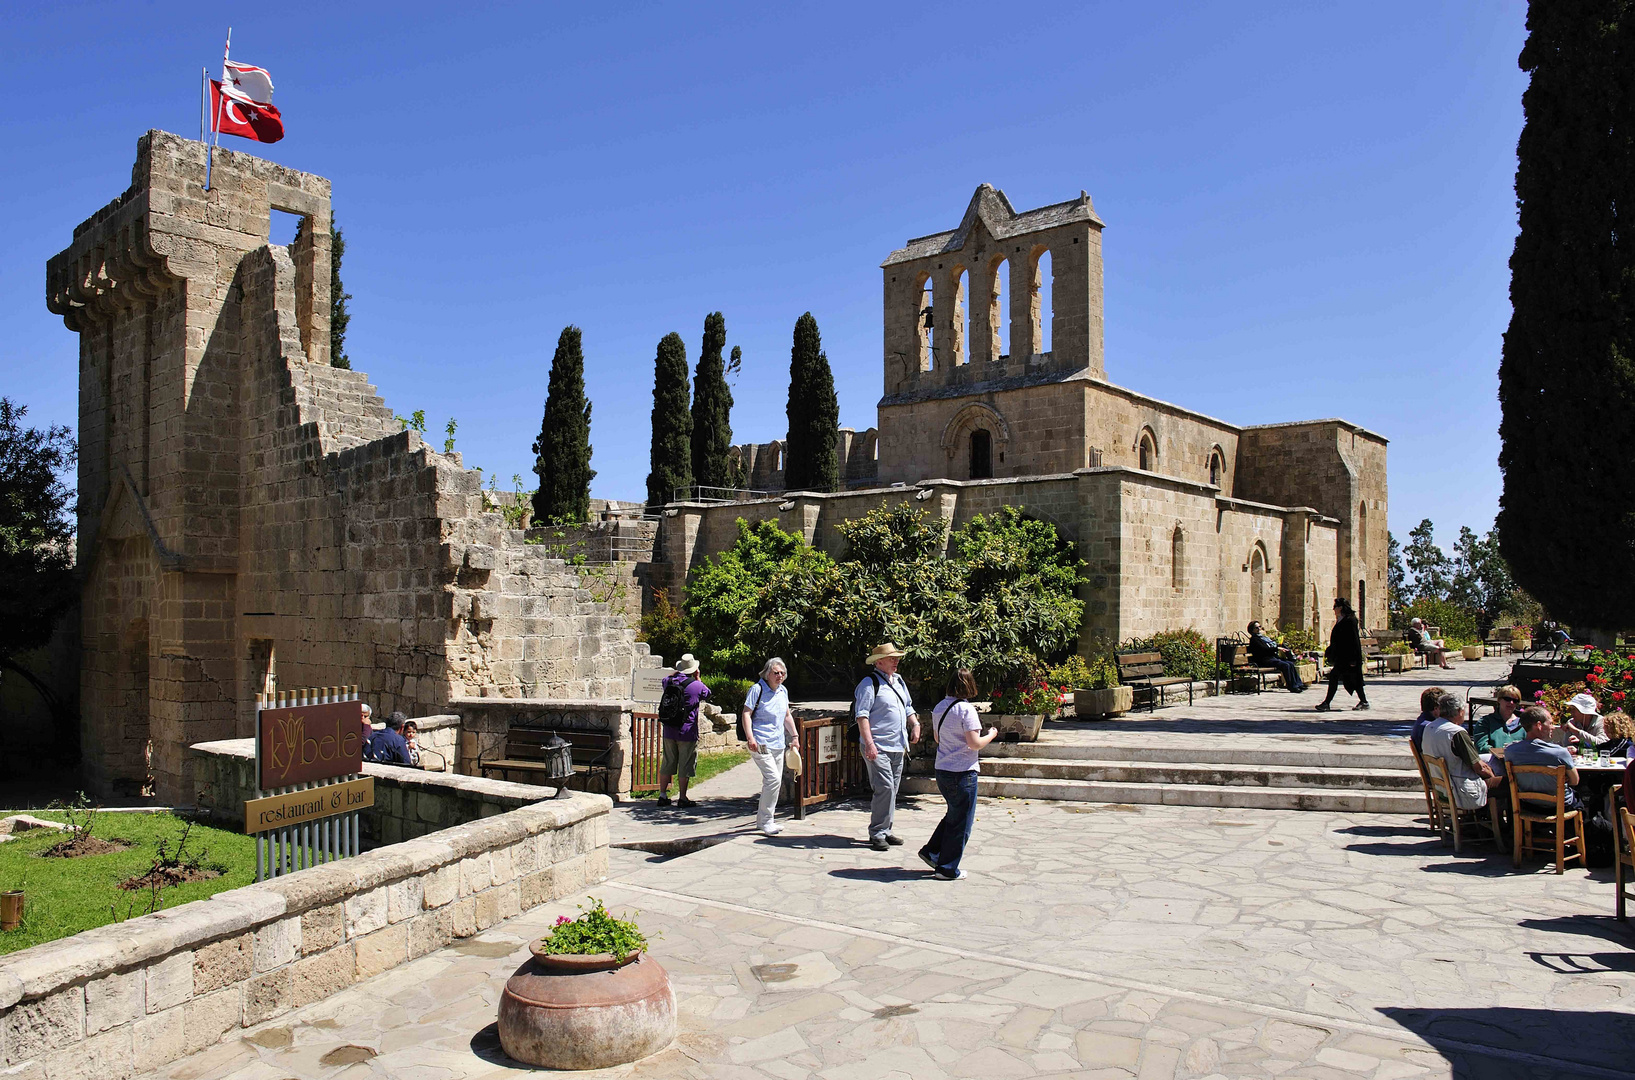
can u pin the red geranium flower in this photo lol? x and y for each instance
(1598, 669)
(1617, 695)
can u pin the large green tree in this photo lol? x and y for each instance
(1567, 379)
(712, 409)
(36, 541)
(672, 453)
(562, 451)
(814, 414)
(1430, 566)
(338, 296)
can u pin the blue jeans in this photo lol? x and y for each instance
(947, 843)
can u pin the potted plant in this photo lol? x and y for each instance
(589, 998)
(1399, 656)
(1100, 695)
(1022, 708)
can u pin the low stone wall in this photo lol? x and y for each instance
(132, 996)
(484, 723)
(408, 802)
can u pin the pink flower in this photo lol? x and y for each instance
(562, 919)
(1538, 695)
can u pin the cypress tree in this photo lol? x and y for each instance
(1566, 524)
(338, 296)
(712, 409)
(814, 414)
(562, 451)
(672, 423)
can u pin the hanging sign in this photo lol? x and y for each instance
(303, 743)
(301, 807)
(828, 745)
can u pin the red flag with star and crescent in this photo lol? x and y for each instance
(241, 103)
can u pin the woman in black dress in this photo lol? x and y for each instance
(1345, 657)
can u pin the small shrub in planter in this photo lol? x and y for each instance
(595, 933)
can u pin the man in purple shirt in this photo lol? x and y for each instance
(680, 757)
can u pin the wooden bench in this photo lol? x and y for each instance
(1373, 658)
(1498, 641)
(525, 754)
(1232, 655)
(1145, 671)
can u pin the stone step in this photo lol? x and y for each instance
(1315, 753)
(1217, 795)
(1194, 773)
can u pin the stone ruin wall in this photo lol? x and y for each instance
(252, 517)
(855, 452)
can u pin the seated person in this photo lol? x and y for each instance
(1267, 653)
(1469, 777)
(1502, 726)
(411, 731)
(1427, 715)
(1583, 724)
(386, 747)
(1539, 749)
(1431, 648)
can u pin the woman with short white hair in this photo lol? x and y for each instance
(768, 727)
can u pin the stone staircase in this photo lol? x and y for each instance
(1303, 773)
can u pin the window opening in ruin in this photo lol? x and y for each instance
(1177, 558)
(777, 458)
(1147, 451)
(1044, 275)
(1362, 532)
(1217, 468)
(999, 311)
(1362, 602)
(924, 322)
(1257, 583)
(981, 455)
(962, 317)
(282, 227)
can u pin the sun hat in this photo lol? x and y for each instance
(686, 665)
(1586, 704)
(882, 652)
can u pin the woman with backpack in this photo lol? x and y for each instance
(768, 727)
(955, 724)
(678, 716)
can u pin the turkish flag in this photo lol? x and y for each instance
(231, 114)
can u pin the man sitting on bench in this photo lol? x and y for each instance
(1267, 653)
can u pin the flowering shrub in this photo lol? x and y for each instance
(1033, 695)
(1610, 680)
(1187, 653)
(594, 933)
(1077, 673)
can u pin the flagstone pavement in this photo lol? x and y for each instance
(1090, 941)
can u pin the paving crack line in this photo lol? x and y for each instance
(1296, 1016)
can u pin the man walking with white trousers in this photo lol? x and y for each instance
(768, 726)
(886, 726)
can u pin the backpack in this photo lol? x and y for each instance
(673, 705)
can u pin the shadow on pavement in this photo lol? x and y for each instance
(1467, 1039)
(881, 873)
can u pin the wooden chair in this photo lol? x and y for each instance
(1431, 808)
(1458, 818)
(1530, 810)
(1623, 845)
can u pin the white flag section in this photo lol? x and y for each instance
(246, 83)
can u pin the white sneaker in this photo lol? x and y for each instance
(771, 830)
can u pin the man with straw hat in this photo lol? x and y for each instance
(886, 725)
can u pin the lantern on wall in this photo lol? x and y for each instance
(558, 757)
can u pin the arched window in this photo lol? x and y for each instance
(1177, 558)
(777, 457)
(1362, 533)
(1362, 602)
(1146, 451)
(981, 454)
(1257, 583)
(962, 316)
(1217, 468)
(923, 322)
(999, 311)
(1044, 310)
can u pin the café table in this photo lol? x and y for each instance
(1595, 782)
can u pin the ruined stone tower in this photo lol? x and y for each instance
(251, 515)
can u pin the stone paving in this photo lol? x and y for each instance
(1090, 941)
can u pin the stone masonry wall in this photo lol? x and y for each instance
(133, 996)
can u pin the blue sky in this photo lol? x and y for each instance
(1309, 207)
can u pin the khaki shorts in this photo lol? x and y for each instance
(680, 759)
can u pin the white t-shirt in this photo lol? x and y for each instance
(766, 717)
(951, 719)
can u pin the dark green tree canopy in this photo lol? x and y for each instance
(712, 409)
(36, 532)
(814, 414)
(339, 317)
(562, 451)
(672, 453)
(1567, 380)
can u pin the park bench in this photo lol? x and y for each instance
(1498, 641)
(1373, 658)
(525, 754)
(1144, 671)
(1232, 655)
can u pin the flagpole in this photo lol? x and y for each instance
(215, 124)
(204, 99)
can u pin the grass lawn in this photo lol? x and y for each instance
(65, 896)
(708, 765)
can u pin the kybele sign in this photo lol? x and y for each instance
(309, 742)
(310, 804)
(308, 766)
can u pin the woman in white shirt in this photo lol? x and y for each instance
(768, 725)
(955, 724)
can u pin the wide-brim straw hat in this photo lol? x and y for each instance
(882, 652)
(686, 665)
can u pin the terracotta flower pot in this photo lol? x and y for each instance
(586, 1012)
(1473, 652)
(1112, 701)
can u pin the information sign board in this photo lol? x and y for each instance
(647, 684)
(304, 743)
(300, 807)
(828, 745)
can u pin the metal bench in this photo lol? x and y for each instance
(525, 754)
(1144, 671)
